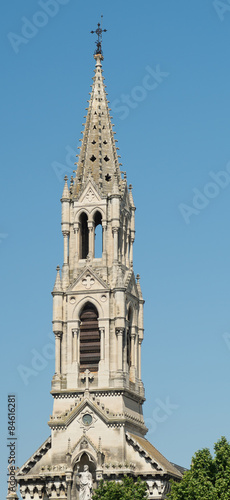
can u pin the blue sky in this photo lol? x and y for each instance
(174, 145)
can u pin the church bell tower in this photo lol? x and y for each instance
(97, 302)
(98, 392)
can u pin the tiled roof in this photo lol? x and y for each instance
(157, 456)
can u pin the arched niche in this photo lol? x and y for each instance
(80, 461)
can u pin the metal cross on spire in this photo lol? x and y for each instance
(98, 42)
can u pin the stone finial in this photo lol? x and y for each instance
(131, 196)
(71, 185)
(139, 286)
(57, 285)
(65, 194)
(12, 496)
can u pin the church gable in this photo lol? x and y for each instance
(84, 444)
(125, 200)
(88, 280)
(131, 285)
(87, 409)
(90, 194)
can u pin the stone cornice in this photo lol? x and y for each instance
(70, 394)
(63, 421)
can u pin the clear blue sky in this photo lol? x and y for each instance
(170, 137)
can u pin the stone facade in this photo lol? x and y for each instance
(98, 393)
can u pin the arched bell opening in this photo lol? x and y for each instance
(98, 236)
(89, 338)
(84, 236)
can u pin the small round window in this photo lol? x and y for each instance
(87, 419)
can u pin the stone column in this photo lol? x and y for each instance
(136, 349)
(133, 354)
(127, 247)
(75, 345)
(68, 481)
(119, 333)
(58, 337)
(66, 249)
(139, 358)
(91, 238)
(102, 343)
(123, 244)
(131, 251)
(115, 244)
(125, 350)
(104, 227)
(76, 255)
(132, 349)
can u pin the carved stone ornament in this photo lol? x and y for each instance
(88, 281)
(90, 195)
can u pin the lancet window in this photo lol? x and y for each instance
(89, 339)
(98, 242)
(84, 236)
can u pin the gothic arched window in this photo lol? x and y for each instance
(84, 236)
(98, 242)
(89, 339)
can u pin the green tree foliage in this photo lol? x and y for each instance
(127, 489)
(208, 477)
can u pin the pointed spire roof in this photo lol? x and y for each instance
(131, 196)
(139, 286)
(65, 194)
(57, 285)
(98, 153)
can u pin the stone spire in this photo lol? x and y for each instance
(98, 153)
(57, 285)
(65, 194)
(131, 196)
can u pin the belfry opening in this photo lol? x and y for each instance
(98, 241)
(89, 339)
(84, 236)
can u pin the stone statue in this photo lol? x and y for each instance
(86, 483)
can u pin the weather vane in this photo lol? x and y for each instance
(98, 42)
